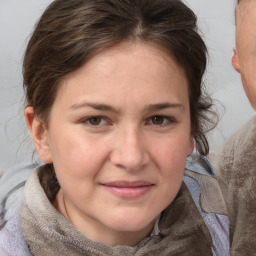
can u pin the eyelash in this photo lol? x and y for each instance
(88, 120)
(166, 120)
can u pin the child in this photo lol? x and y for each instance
(114, 105)
(234, 162)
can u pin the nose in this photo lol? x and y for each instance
(130, 152)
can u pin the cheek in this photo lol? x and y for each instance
(173, 149)
(170, 156)
(77, 163)
(76, 155)
(171, 164)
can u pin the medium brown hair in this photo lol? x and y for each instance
(71, 32)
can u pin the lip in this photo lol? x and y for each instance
(128, 190)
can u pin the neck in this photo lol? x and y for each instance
(95, 231)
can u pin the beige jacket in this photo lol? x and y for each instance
(49, 233)
(235, 167)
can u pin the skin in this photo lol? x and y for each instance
(119, 122)
(244, 58)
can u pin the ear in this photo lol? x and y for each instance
(190, 146)
(235, 61)
(39, 135)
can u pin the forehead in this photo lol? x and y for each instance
(245, 30)
(245, 11)
(246, 23)
(114, 70)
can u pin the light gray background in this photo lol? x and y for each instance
(17, 18)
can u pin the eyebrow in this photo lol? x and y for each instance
(160, 106)
(98, 106)
(106, 107)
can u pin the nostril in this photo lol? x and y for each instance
(130, 150)
(129, 160)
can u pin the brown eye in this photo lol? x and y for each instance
(158, 120)
(95, 120)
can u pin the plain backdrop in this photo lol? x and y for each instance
(17, 18)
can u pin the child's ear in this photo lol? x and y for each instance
(235, 61)
(39, 135)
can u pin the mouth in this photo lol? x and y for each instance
(128, 190)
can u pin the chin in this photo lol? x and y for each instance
(132, 223)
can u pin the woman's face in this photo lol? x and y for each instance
(118, 136)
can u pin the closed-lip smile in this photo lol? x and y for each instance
(128, 190)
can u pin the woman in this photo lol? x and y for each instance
(114, 105)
